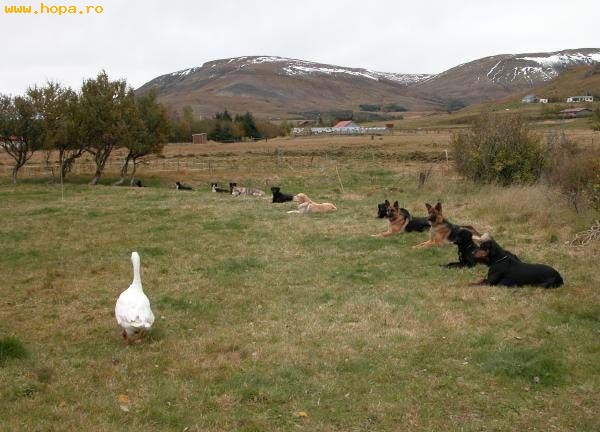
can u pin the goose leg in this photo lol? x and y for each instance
(125, 338)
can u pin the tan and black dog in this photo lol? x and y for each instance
(442, 231)
(396, 218)
(400, 220)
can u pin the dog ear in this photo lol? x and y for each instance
(438, 206)
(428, 206)
(387, 203)
(396, 205)
(485, 237)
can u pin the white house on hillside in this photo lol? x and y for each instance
(574, 99)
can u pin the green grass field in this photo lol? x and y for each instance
(267, 321)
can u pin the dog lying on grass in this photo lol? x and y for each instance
(306, 205)
(240, 190)
(441, 229)
(183, 186)
(216, 189)
(463, 239)
(400, 220)
(280, 197)
(507, 270)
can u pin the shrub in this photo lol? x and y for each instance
(575, 171)
(596, 120)
(11, 348)
(498, 148)
(370, 107)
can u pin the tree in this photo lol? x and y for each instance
(20, 131)
(106, 109)
(150, 128)
(247, 125)
(58, 110)
(596, 120)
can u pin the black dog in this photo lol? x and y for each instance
(279, 197)
(215, 188)
(508, 271)
(183, 186)
(381, 210)
(463, 239)
(418, 224)
(139, 183)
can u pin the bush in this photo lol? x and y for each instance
(370, 107)
(11, 348)
(575, 171)
(498, 148)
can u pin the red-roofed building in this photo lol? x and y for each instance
(576, 112)
(346, 124)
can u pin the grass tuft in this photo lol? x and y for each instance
(11, 348)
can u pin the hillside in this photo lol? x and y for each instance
(498, 76)
(281, 88)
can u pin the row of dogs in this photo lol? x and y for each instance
(505, 268)
(305, 204)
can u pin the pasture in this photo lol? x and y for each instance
(267, 321)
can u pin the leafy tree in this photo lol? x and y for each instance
(223, 128)
(20, 130)
(247, 126)
(107, 107)
(149, 125)
(58, 109)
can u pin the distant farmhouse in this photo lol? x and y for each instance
(529, 99)
(574, 99)
(346, 127)
(576, 112)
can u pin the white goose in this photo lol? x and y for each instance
(132, 310)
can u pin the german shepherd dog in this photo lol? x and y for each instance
(400, 220)
(505, 269)
(280, 197)
(216, 189)
(239, 190)
(441, 229)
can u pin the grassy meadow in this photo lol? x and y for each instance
(268, 321)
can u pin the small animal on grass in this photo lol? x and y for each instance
(463, 239)
(505, 269)
(441, 229)
(183, 186)
(280, 197)
(132, 310)
(139, 183)
(400, 220)
(240, 190)
(216, 189)
(306, 205)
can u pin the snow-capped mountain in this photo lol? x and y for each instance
(497, 76)
(283, 87)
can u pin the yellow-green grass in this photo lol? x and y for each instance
(270, 321)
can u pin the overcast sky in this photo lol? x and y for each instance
(141, 39)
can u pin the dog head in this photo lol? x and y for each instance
(301, 198)
(462, 238)
(393, 211)
(382, 209)
(488, 249)
(435, 213)
(275, 190)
